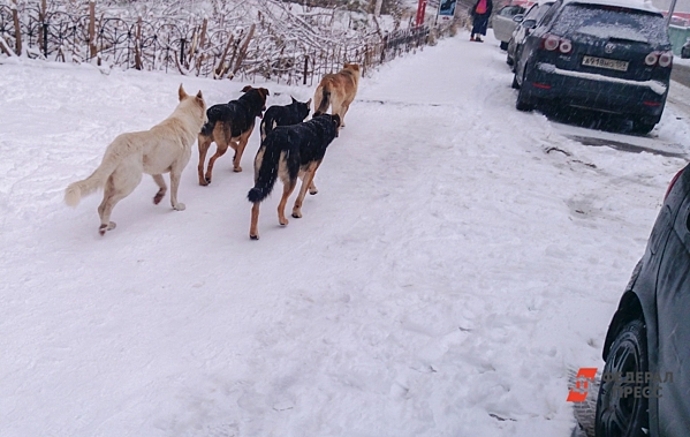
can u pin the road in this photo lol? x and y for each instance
(681, 74)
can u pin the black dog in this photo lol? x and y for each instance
(230, 124)
(286, 115)
(290, 152)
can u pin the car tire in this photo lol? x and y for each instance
(504, 45)
(618, 415)
(515, 85)
(509, 60)
(523, 102)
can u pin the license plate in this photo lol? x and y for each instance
(611, 64)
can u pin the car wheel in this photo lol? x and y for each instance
(509, 60)
(617, 414)
(504, 45)
(523, 102)
(515, 85)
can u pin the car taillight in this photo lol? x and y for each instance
(673, 182)
(664, 59)
(565, 47)
(550, 42)
(553, 42)
(651, 58)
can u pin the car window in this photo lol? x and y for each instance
(510, 11)
(550, 13)
(612, 21)
(541, 11)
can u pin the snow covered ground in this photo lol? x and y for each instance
(459, 258)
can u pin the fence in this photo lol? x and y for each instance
(202, 49)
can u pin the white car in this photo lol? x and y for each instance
(503, 24)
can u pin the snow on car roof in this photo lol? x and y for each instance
(643, 5)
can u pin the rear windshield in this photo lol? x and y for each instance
(601, 21)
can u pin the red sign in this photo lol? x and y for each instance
(421, 10)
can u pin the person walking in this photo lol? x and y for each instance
(481, 11)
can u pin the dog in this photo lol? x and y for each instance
(164, 148)
(337, 90)
(230, 124)
(286, 115)
(290, 152)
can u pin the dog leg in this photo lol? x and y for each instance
(222, 148)
(241, 144)
(253, 227)
(174, 186)
(120, 185)
(204, 143)
(308, 180)
(312, 188)
(162, 188)
(343, 109)
(288, 188)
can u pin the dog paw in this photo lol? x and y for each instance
(237, 169)
(204, 182)
(283, 222)
(109, 227)
(314, 191)
(179, 207)
(297, 214)
(158, 197)
(253, 237)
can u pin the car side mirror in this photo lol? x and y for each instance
(518, 18)
(529, 24)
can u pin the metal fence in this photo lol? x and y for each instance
(192, 49)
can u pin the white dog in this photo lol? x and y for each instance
(164, 148)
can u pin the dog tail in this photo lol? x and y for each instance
(325, 102)
(213, 114)
(76, 190)
(267, 172)
(268, 123)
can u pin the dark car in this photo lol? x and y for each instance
(526, 23)
(608, 57)
(645, 388)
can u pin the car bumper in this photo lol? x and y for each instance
(597, 92)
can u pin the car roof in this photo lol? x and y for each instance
(642, 5)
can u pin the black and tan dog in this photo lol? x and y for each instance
(286, 115)
(230, 124)
(288, 153)
(337, 90)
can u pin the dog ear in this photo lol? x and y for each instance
(181, 93)
(267, 93)
(308, 102)
(199, 95)
(246, 88)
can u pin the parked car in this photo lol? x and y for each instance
(646, 345)
(525, 23)
(600, 55)
(685, 50)
(503, 24)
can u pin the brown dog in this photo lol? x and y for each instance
(230, 124)
(337, 90)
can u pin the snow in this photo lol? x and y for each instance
(459, 259)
